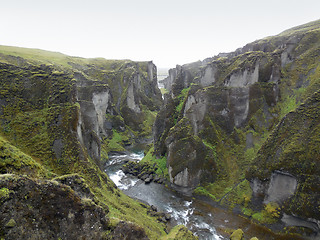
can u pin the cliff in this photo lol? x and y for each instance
(219, 113)
(59, 118)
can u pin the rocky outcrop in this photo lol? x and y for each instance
(125, 230)
(144, 171)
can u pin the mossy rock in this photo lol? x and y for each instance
(237, 235)
(180, 232)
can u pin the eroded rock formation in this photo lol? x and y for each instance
(219, 113)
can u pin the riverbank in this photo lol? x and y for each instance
(200, 214)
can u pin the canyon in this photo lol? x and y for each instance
(239, 130)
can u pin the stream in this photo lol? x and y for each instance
(206, 221)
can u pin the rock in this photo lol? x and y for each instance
(154, 208)
(237, 235)
(167, 217)
(211, 126)
(129, 231)
(144, 176)
(148, 180)
(254, 238)
(180, 232)
(57, 212)
(156, 179)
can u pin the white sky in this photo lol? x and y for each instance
(169, 32)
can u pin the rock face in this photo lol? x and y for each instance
(293, 148)
(220, 111)
(220, 95)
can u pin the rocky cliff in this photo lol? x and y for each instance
(219, 112)
(59, 118)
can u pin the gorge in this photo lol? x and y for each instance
(238, 132)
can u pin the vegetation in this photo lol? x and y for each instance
(159, 163)
(233, 132)
(180, 232)
(273, 128)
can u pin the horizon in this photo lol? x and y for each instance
(167, 33)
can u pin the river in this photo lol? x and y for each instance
(206, 221)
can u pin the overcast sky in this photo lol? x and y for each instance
(169, 32)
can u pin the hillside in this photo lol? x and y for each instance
(227, 122)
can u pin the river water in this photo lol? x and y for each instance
(206, 221)
(181, 208)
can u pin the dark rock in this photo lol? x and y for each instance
(129, 231)
(167, 216)
(148, 180)
(156, 179)
(154, 208)
(48, 210)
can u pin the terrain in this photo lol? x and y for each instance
(242, 129)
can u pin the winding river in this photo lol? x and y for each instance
(206, 221)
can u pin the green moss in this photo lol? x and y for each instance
(180, 232)
(239, 195)
(147, 124)
(13, 160)
(159, 163)
(4, 194)
(247, 212)
(237, 235)
(116, 142)
(270, 214)
(181, 98)
(12, 223)
(204, 192)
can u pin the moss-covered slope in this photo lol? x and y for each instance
(294, 148)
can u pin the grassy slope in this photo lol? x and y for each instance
(38, 56)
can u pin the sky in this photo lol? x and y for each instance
(168, 32)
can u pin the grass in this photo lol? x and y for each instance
(270, 214)
(13, 160)
(182, 96)
(161, 163)
(179, 232)
(38, 56)
(116, 142)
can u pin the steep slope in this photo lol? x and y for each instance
(220, 111)
(59, 118)
(286, 170)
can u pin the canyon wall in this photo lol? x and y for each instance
(220, 121)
